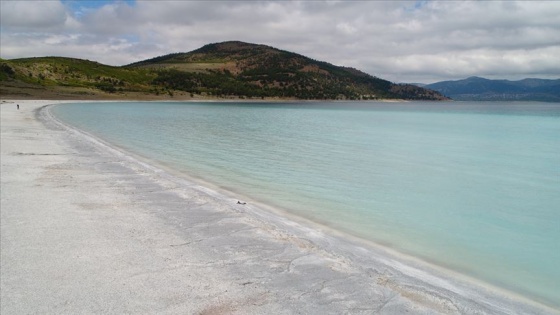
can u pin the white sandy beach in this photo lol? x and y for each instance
(87, 228)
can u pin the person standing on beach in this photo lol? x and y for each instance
(17, 106)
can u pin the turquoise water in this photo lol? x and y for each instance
(471, 186)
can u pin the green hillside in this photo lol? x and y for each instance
(222, 70)
(78, 73)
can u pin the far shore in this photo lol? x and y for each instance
(141, 97)
(89, 228)
(30, 93)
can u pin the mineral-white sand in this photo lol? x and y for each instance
(86, 228)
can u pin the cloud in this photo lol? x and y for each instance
(421, 41)
(30, 15)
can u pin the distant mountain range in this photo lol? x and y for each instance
(221, 70)
(481, 89)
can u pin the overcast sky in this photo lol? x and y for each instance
(402, 41)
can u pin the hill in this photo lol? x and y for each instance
(481, 89)
(59, 77)
(242, 69)
(221, 70)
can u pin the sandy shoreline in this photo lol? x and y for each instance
(88, 229)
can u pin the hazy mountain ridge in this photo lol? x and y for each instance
(481, 89)
(223, 70)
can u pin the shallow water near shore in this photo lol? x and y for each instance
(473, 187)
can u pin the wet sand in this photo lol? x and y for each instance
(87, 228)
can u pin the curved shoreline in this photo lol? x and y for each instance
(321, 267)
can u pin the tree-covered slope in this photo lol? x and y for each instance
(228, 69)
(237, 68)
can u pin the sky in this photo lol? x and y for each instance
(401, 41)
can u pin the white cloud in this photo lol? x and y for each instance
(32, 15)
(421, 41)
